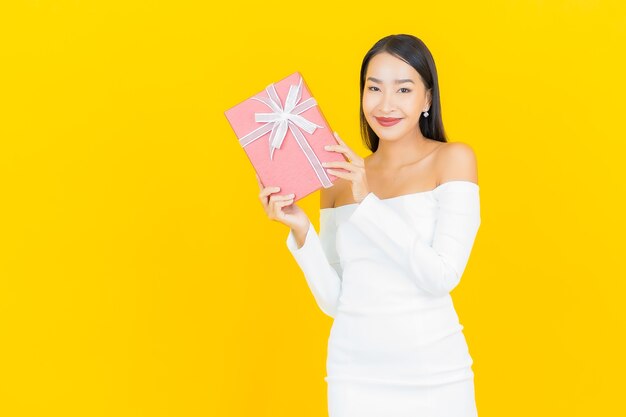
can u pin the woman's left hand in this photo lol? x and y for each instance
(355, 167)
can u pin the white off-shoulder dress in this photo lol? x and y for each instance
(384, 269)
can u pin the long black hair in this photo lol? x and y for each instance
(415, 53)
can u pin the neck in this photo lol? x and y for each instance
(403, 151)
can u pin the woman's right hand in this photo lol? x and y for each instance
(282, 209)
(355, 169)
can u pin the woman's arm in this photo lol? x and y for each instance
(318, 260)
(437, 269)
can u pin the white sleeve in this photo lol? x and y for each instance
(319, 262)
(328, 236)
(436, 269)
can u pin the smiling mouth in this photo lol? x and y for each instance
(388, 121)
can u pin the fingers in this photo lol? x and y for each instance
(349, 166)
(277, 202)
(341, 142)
(277, 206)
(267, 191)
(352, 169)
(264, 193)
(280, 198)
(343, 148)
(340, 164)
(337, 148)
(341, 174)
(274, 200)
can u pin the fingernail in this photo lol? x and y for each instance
(327, 147)
(324, 164)
(292, 195)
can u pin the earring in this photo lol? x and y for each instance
(426, 114)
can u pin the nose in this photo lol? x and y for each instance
(387, 103)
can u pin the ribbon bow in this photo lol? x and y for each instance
(285, 118)
(282, 118)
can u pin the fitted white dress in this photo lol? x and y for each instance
(384, 269)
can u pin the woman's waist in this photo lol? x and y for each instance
(406, 327)
(363, 300)
(382, 281)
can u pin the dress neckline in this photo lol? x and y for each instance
(405, 195)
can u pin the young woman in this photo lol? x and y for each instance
(396, 232)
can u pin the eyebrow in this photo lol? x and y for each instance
(405, 80)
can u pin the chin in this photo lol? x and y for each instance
(389, 136)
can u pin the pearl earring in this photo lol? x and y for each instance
(426, 114)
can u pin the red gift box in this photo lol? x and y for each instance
(283, 132)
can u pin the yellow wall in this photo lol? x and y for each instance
(140, 277)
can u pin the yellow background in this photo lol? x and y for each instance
(139, 275)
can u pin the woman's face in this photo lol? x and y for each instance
(393, 89)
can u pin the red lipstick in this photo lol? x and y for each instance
(387, 121)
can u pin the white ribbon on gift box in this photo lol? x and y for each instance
(288, 118)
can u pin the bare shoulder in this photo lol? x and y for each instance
(457, 161)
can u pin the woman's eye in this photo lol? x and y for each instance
(403, 88)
